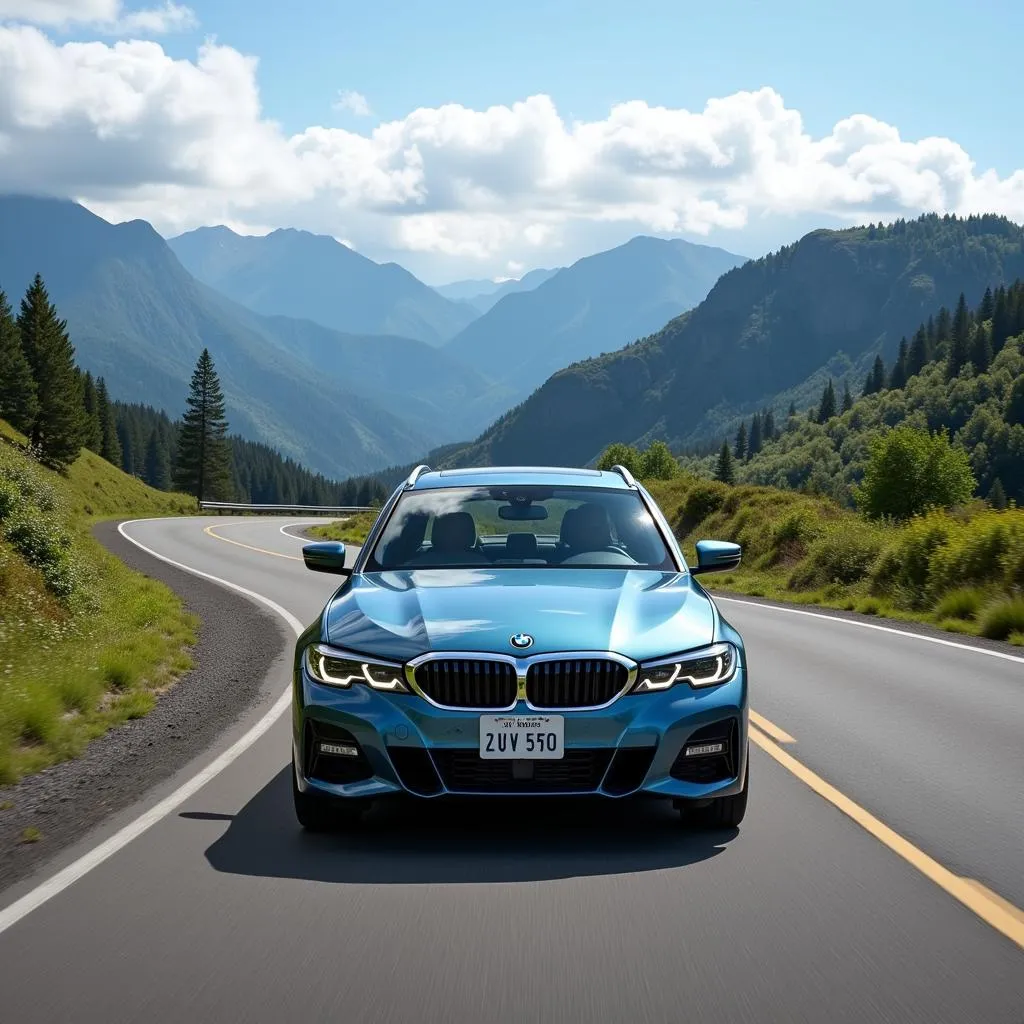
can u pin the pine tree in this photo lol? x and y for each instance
(93, 431)
(110, 446)
(981, 348)
(878, 376)
(1001, 321)
(792, 409)
(754, 444)
(158, 463)
(769, 425)
(125, 440)
(18, 402)
(918, 354)
(725, 470)
(987, 307)
(58, 426)
(204, 454)
(997, 495)
(827, 408)
(959, 340)
(740, 451)
(898, 377)
(847, 397)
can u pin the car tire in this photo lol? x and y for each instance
(319, 813)
(723, 811)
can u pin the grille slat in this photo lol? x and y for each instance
(574, 684)
(579, 771)
(463, 683)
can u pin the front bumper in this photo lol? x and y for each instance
(406, 745)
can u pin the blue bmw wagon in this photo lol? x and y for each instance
(519, 631)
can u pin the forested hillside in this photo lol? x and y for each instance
(765, 328)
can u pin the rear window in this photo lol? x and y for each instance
(528, 526)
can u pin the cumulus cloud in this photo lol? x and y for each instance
(105, 15)
(353, 102)
(135, 133)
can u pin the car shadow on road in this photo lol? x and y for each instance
(467, 840)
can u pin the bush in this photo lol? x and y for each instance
(704, 499)
(842, 554)
(910, 470)
(960, 604)
(1004, 618)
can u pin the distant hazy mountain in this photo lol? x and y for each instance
(338, 403)
(298, 274)
(483, 294)
(599, 304)
(768, 329)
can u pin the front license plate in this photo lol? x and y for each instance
(527, 737)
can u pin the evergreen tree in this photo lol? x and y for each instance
(878, 375)
(18, 402)
(110, 446)
(917, 355)
(58, 426)
(981, 348)
(847, 397)
(93, 431)
(126, 441)
(158, 462)
(959, 341)
(792, 409)
(898, 377)
(740, 451)
(943, 326)
(725, 470)
(827, 408)
(1002, 321)
(754, 443)
(769, 425)
(987, 307)
(204, 454)
(997, 495)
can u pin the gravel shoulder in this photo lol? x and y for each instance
(229, 677)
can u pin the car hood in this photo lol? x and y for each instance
(638, 613)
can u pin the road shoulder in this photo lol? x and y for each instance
(237, 642)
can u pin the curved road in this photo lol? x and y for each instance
(877, 876)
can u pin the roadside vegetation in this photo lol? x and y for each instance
(352, 530)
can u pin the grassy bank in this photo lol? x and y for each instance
(961, 570)
(349, 531)
(85, 643)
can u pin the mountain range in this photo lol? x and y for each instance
(314, 277)
(482, 294)
(339, 403)
(598, 304)
(770, 329)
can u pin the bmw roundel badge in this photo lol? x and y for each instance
(521, 640)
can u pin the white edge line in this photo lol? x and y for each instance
(872, 625)
(67, 876)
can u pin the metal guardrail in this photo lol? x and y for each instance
(325, 510)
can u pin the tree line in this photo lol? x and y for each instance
(61, 409)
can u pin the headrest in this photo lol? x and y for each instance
(521, 545)
(454, 531)
(588, 530)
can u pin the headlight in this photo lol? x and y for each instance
(707, 667)
(339, 668)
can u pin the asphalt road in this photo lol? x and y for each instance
(223, 910)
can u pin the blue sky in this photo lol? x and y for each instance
(937, 68)
(851, 96)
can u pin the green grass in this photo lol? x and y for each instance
(961, 570)
(352, 530)
(85, 643)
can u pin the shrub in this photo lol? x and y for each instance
(910, 470)
(704, 499)
(1004, 618)
(960, 604)
(842, 554)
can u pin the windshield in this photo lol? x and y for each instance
(509, 527)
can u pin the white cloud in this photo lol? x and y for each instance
(135, 133)
(353, 102)
(106, 16)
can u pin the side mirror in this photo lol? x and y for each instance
(326, 556)
(716, 556)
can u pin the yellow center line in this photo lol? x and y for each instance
(780, 735)
(990, 907)
(251, 547)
